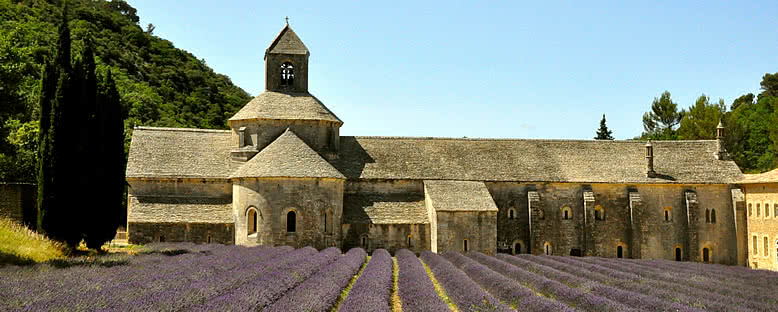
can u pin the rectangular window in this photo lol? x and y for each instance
(756, 250)
(750, 210)
(766, 246)
(758, 211)
(775, 211)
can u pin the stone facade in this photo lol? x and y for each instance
(761, 202)
(18, 202)
(283, 175)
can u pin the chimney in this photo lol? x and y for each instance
(721, 152)
(650, 160)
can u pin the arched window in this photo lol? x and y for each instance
(754, 243)
(678, 254)
(668, 214)
(517, 247)
(619, 252)
(464, 246)
(287, 74)
(547, 248)
(775, 211)
(707, 215)
(567, 214)
(251, 221)
(766, 210)
(706, 255)
(409, 240)
(208, 239)
(541, 214)
(758, 211)
(365, 241)
(750, 210)
(599, 213)
(713, 216)
(511, 213)
(291, 221)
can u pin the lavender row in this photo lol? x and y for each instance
(690, 296)
(740, 274)
(502, 287)
(417, 293)
(264, 289)
(373, 288)
(465, 293)
(320, 292)
(713, 296)
(559, 291)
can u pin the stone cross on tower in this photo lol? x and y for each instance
(287, 20)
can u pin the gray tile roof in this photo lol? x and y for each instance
(281, 105)
(384, 209)
(180, 209)
(287, 156)
(180, 153)
(287, 42)
(580, 161)
(459, 196)
(766, 177)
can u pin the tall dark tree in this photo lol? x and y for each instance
(603, 133)
(661, 122)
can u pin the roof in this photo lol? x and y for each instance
(579, 161)
(287, 156)
(162, 209)
(459, 196)
(767, 177)
(286, 105)
(384, 209)
(287, 42)
(180, 153)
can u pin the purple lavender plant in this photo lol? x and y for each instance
(373, 288)
(417, 293)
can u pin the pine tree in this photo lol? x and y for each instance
(603, 133)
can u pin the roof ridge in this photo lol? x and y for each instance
(181, 129)
(513, 139)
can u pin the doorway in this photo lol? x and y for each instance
(575, 252)
(677, 254)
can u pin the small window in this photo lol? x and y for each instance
(706, 255)
(599, 213)
(208, 239)
(567, 214)
(409, 241)
(713, 216)
(667, 213)
(766, 210)
(511, 213)
(758, 211)
(766, 244)
(707, 215)
(775, 211)
(325, 221)
(464, 246)
(364, 242)
(251, 221)
(619, 252)
(750, 210)
(756, 249)
(517, 248)
(161, 238)
(547, 249)
(287, 74)
(541, 214)
(291, 221)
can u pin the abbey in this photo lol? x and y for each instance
(283, 175)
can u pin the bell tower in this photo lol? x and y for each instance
(286, 63)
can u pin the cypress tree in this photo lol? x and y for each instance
(603, 133)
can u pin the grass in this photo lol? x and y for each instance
(397, 305)
(439, 288)
(19, 245)
(345, 291)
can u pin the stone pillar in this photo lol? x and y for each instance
(535, 235)
(692, 228)
(589, 221)
(741, 226)
(638, 230)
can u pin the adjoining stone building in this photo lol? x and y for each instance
(18, 202)
(283, 175)
(760, 192)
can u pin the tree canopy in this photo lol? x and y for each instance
(603, 133)
(660, 123)
(699, 123)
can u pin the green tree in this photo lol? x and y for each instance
(700, 122)
(769, 85)
(660, 123)
(603, 133)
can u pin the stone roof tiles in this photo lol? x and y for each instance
(287, 156)
(384, 209)
(287, 42)
(459, 196)
(180, 153)
(286, 105)
(163, 209)
(580, 161)
(767, 177)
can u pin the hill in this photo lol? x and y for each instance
(159, 84)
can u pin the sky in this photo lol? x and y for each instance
(491, 69)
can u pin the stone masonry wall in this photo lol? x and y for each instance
(479, 228)
(322, 136)
(762, 225)
(144, 233)
(391, 237)
(18, 202)
(273, 198)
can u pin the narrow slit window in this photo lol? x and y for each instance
(464, 246)
(713, 216)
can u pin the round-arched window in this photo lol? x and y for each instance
(291, 221)
(287, 74)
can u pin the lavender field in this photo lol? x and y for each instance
(188, 277)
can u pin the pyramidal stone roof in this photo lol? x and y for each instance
(288, 156)
(287, 42)
(767, 177)
(285, 105)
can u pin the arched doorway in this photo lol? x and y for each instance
(619, 252)
(517, 247)
(705, 255)
(678, 255)
(291, 221)
(251, 221)
(575, 252)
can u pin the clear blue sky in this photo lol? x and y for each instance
(543, 69)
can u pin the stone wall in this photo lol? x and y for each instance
(479, 228)
(19, 202)
(322, 136)
(273, 198)
(273, 64)
(762, 225)
(144, 233)
(391, 237)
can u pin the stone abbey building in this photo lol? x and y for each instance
(283, 175)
